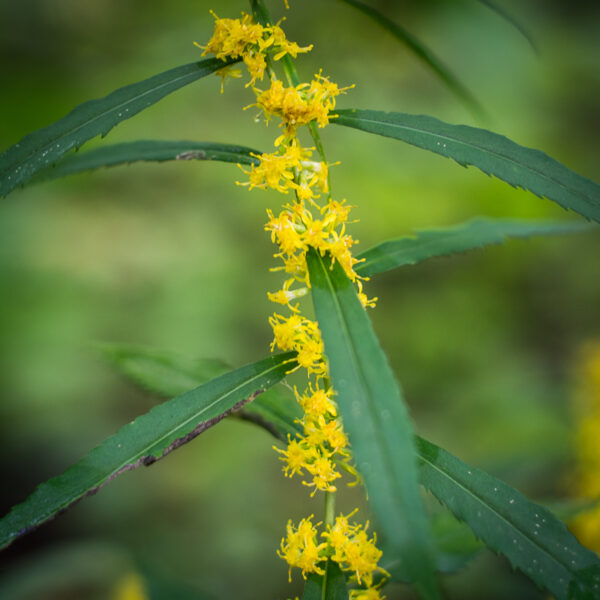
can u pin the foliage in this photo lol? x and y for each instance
(350, 416)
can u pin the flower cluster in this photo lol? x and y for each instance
(587, 525)
(302, 104)
(312, 219)
(353, 550)
(347, 544)
(250, 41)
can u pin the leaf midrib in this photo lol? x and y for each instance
(481, 148)
(419, 243)
(385, 453)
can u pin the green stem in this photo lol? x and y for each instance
(329, 509)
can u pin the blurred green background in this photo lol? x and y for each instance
(174, 256)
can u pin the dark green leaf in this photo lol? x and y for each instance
(375, 419)
(508, 17)
(146, 150)
(529, 535)
(422, 52)
(169, 375)
(144, 441)
(331, 586)
(492, 153)
(96, 117)
(476, 233)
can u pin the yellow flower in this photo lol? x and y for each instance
(283, 46)
(228, 72)
(329, 435)
(323, 471)
(285, 295)
(256, 64)
(353, 550)
(277, 170)
(286, 331)
(297, 456)
(231, 37)
(246, 39)
(300, 548)
(301, 104)
(318, 402)
(368, 594)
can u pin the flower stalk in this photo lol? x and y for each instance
(311, 219)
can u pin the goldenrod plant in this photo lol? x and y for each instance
(343, 420)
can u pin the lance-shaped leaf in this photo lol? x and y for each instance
(169, 375)
(147, 151)
(476, 233)
(330, 586)
(492, 153)
(375, 419)
(529, 535)
(147, 439)
(96, 117)
(512, 20)
(422, 52)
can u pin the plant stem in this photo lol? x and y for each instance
(329, 508)
(261, 14)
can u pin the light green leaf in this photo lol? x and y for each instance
(96, 117)
(160, 372)
(476, 233)
(144, 441)
(510, 19)
(492, 153)
(146, 150)
(529, 535)
(375, 419)
(331, 586)
(422, 52)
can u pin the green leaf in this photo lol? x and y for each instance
(168, 375)
(422, 52)
(331, 586)
(529, 535)
(510, 19)
(277, 411)
(375, 418)
(455, 547)
(492, 153)
(163, 373)
(96, 117)
(475, 233)
(144, 441)
(146, 150)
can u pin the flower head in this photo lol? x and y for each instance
(300, 548)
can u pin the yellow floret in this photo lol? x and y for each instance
(300, 548)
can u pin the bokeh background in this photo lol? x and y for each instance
(174, 256)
